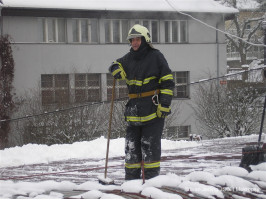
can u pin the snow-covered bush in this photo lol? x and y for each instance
(233, 109)
(63, 124)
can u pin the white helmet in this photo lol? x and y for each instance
(138, 31)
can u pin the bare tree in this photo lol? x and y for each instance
(226, 112)
(246, 26)
(118, 123)
(72, 123)
(210, 110)
(6, 86)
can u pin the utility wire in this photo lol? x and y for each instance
(124, 98)
(58, 110)
(212, 27)
(225, 76)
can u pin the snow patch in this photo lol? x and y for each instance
(132, 186)
(259, 167)
(156, 193)
(235, 171)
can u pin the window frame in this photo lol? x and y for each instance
(56, 88)
(55, 30)
(110, 34)
(176, 131)
(181, 84)
(89, 31)
(121, 88)
(169, 37)
(88, 87)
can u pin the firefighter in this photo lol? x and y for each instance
(150, 87)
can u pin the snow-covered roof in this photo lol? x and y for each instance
(207, 6)
(243, 4)
(247, 4)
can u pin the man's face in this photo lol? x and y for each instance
(135, 43)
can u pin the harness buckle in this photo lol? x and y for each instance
(155, 98)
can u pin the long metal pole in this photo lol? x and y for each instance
(262, 119)
(264, 27)
(264, 22)
(109, 129)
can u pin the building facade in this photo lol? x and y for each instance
(66, 51)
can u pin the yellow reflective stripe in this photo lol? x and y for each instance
(151, 165)
(131, 166)
(147, 80)
(140, 83)
(141, 119)
(166, 91)
(166, 77)
(146, 165)
(116, 71)
(134, 82)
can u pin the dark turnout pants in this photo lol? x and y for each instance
(143, 143)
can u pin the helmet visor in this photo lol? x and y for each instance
(131, 36)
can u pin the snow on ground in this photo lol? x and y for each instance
(33, 153)
(209, 183)
(46, 189)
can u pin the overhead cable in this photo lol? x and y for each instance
(212, 27)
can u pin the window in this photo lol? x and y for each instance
(178, 132)
(152, 26)
(175, 31)
(183, 131)
(181, 80)
(85, 30)
(55, 89)
(121, 88)
(87, 87)
(54, 30)
(116, 31)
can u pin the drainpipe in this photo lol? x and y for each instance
(264, 28)
(217, 59)
(217, 53)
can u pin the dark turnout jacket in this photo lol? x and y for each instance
(146, 70)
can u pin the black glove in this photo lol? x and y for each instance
(117, 71)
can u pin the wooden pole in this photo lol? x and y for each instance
(109, 129)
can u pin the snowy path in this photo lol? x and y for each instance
(209, 157)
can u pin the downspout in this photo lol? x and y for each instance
(217, 54)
